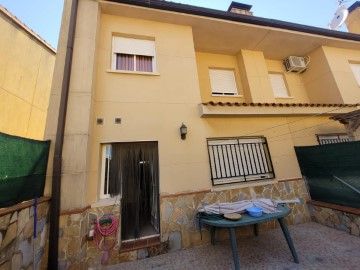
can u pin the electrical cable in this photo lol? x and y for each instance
(291, 132)
(305, 118)
(332, 121)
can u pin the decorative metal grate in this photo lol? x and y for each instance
(332, 138)
(239, 159)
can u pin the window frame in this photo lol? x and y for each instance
(286, 87)
(134, 53)
(224, 94)
(232, 165)
(105, 169)
(355, 71)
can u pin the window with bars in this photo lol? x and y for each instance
(332, 138)
(241, 159)
(131, 54)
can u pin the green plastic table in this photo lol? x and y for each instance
(248, 220)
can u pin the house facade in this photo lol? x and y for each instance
(140, 71)
(27, 64)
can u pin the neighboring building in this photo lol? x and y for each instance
(353, 20)
(142, 68)
(26, 71)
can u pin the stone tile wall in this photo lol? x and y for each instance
(77, 251)
(17, 240)
(179, 225)
(94, 255)
(337, 219)
(72, 241)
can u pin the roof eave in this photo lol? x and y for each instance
(253, 20)
(354, 6)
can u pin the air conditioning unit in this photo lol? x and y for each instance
(296, 63)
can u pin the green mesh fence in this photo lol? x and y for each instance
(23, 164)
(332, 172)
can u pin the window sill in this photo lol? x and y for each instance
(243, 185)
(106, 202)
(133, 72)
(227, 95)
(284, 97)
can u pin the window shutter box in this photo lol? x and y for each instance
(133, 46)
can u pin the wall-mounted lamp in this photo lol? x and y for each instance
(183, 131)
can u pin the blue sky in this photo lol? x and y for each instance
(44, 16)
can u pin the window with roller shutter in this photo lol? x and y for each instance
(278, 85)
(223, 82)
(130, 54)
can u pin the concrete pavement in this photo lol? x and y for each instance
(317, 246)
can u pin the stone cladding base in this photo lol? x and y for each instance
(17, 236)
(178, 224)
(337, 219)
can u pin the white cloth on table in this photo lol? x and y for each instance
(268, 206)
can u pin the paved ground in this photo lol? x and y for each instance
(318, 247)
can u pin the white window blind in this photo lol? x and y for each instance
(356, 70)
(133, 46)
(223, 82)
(134, 55)
(278, 85)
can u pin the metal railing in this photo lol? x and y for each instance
(239, 159)
(332, 138)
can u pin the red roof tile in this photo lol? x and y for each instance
(244, 104)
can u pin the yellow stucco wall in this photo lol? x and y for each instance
(329, 78)
(339, 61)
(255, 76)
(26, 72)
(294, 83)
(208, 60)
(252, 78)
(152, 107)
(78, 129)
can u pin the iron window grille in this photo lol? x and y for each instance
(241, 159)
(332, 138)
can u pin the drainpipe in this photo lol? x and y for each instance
(56, 178)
